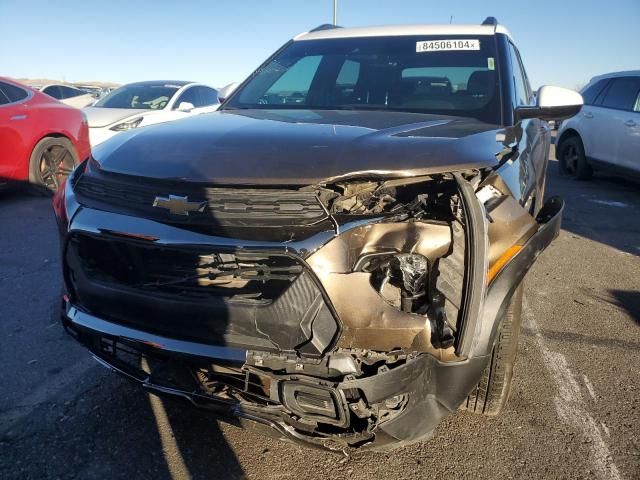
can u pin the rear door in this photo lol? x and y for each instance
(14, 131)
(628, 149)
(589, 115)
(613, 120)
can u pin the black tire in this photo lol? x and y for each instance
(573, 160)
(51, 161)
(492, 392)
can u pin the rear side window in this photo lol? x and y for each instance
(591, 93)
(12, 93)
(622, 93)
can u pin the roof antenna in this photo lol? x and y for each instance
(450, 19)
(335, 12)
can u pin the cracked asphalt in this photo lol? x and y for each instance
(574, 412)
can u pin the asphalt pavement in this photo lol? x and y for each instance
(574, 411)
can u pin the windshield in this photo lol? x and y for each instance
(151, 97)
(449, 75)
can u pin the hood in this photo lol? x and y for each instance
(101, 116)
(300, 147)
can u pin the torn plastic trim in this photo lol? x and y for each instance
(476, 259)
(511, 275)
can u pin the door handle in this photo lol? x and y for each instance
(18, 117)
(587, 115)
(630, 123)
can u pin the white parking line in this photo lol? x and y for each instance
(610, 203)
(570, 405)
(589, 385)
(172, 454)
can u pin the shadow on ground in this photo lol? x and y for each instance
(132, 435)
(594, 208)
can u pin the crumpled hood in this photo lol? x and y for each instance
(300, 147)
(101, 116)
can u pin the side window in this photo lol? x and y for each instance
(347, 79)
(3, 98)
(53, 91)
(12, 93)
(208, 96)
(70, 92)
(636, 106)
(591, 93)
(189, 95)
(622, 93)
(520, 82)
(348, 75)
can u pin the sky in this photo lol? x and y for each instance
(562, 42)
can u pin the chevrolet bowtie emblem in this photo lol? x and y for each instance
(178, 205)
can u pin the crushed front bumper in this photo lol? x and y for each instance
(428, 389)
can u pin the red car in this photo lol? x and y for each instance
(41, 139)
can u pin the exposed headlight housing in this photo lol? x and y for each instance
(128, 125)
(401, 279)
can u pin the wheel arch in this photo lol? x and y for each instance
(568, 133)
(42, 137)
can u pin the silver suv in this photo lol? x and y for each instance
(606, 133)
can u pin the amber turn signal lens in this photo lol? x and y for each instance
(502, 261)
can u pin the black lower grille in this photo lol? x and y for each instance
(189, 273)
(253, 299)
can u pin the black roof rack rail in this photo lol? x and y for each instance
(324, 26)
(490, 21)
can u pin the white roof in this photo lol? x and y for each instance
(402, 30)
(628, 73)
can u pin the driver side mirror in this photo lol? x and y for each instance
(224, 92)
(185, 107)
(552, 103)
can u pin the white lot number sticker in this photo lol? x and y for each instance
(447, 45)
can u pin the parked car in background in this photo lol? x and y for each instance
(69, 95)
(146, 103)
(41, 139)
(96, 91)
(337, 254)
(606, 133)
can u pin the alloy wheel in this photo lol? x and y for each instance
(56, 163)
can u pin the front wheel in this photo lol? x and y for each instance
(492, 392)
(51, 162)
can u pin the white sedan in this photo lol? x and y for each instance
(146, 103)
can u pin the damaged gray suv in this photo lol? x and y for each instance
(334, 257)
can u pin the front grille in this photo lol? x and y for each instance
(252, 299)
(226, 207)
(242, 276)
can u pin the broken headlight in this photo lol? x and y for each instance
(400, 278)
